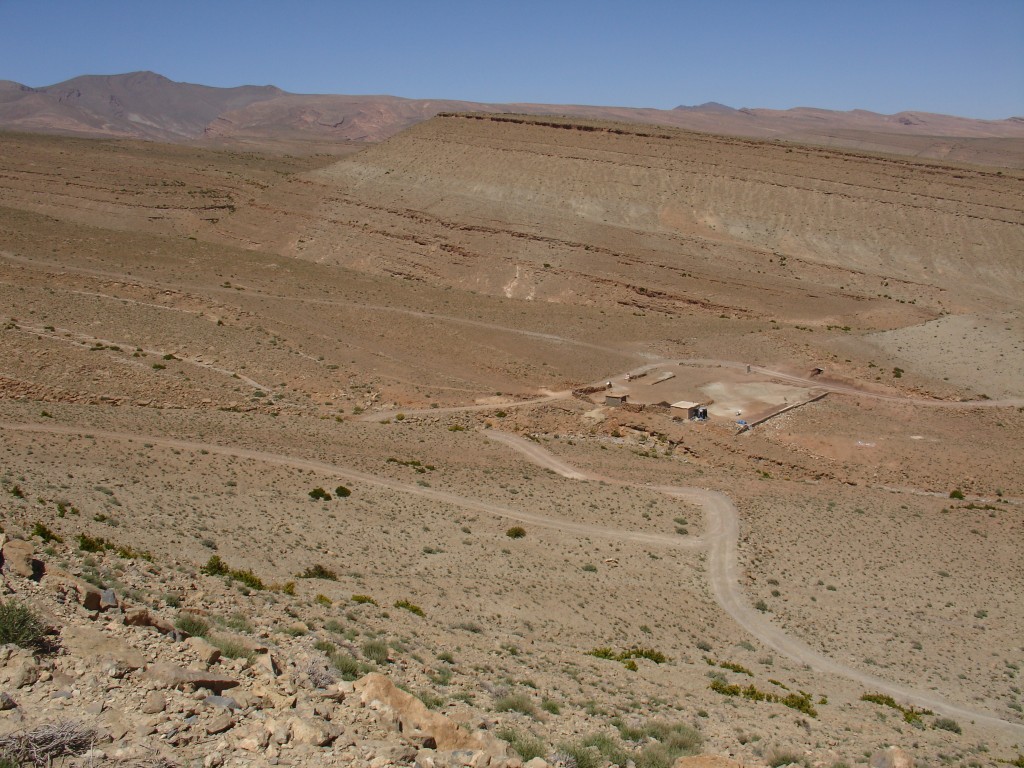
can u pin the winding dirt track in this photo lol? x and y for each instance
(720, 540)
(722, 524)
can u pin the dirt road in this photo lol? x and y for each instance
(721, 538)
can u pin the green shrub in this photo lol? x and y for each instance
(348, 667)
(732, 666)
(671, 741)
(87, 543)
(319, 494)
(239, 622)
(363, 599)
(957, 494)
(215, 567)
(248, 578)
(430, 699)
(947, 724)
(525, 745)
(411, 607)
(551, 707)
(192, 624)
(376, 650)
(778, 758)
(516, 532)
(608, 747)
(580, 755)
(23, 627)
(45, 534)
(342, 492)
(515, 702)
(318, 572)
(233, 649)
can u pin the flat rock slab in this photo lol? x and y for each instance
(171, 676)
(85, 642)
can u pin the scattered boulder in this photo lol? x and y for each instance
(7, 702)
(892, 757)
(171, 676)
(108, 600)
(140, 617)
(26, 674)
(313, 730)
(19, 559)
(205, 650)
(154, 703)
(222, 722)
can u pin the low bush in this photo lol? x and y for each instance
(516, 532)
(947, 724)
(778, 758)
(376, 650)
(45, 534)
(410, 607)
(23, 627)
(318, 572)
(194, 625)
(348, 667)
(217, 567)
(515, 702)
(525, 745)
(233, 649)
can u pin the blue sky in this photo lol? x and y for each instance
(964, 57)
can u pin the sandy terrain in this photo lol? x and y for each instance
(411, 322)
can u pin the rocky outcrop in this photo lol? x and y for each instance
(417, 722)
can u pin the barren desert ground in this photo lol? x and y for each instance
(193, 340)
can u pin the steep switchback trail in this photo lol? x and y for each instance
(721, 537)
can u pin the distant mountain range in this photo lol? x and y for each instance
(145, 105)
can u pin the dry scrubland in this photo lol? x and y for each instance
(194, 340)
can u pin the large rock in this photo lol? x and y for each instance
(313, 730)
(19, 559)
(154, 703)
(207, 652)
(416, 722)
(110, 653)
(892, 757)
(171, 676)
(140, 617)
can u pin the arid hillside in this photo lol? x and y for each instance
(428, 405)
(583, 212)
